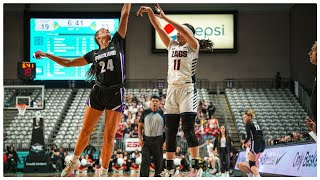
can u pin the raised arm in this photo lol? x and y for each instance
(191, 40)
(155, 23)
(122, 30)
(80, 61)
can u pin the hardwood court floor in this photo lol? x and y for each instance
(91, 174)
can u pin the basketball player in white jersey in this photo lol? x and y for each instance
(181, 100)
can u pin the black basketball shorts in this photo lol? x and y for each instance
(106, 98)
(257, 147)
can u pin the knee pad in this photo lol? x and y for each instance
(252, 163)
(188, 120)
(172, 126)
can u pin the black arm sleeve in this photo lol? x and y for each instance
(248, 129)
(118, 39)
(89, 56)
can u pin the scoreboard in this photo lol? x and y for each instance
(26, 70)
(68, 38)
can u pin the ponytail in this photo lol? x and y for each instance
(251, 113)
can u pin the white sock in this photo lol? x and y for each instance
(250, 174)
(75, 158)
(257, 175)
(104, 169)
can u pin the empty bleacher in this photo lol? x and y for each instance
(278, 111)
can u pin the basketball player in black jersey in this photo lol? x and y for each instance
(254, 134)
(107, 94)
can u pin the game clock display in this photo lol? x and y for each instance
(67, 38)
(26, 70)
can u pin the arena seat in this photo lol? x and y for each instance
(274, 108)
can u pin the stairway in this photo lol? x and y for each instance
(224, 115)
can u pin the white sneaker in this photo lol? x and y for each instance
(175, 173)
(250, 174)
(199, 172)
(164, 173)
(70, 167)
(170, 173)
(212, 171)
(103, 173)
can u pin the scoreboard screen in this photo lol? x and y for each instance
(68, 38)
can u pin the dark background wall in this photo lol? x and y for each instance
(271, 38)
(303, 28)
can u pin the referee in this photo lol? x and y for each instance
(152, 140)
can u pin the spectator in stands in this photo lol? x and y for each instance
(184, 163)
(5, 162)
(134, 124)
(313, 59)
(207, 132)
(213, 160)
(311, 125)
(127, 131)
(135, 154)
(211, 109)
(86, 164)
(130, 118)
(223, 145)
(97, 164)
(213, 122)
(278, 80)
(54, 155)
(113, 160)
(134, 133)
(202, 108)
(127, 161)
(197, 131)
(91, 150)
(107, 93)
(135, 166)
(119, 132)
(60, 160)
(210, 156)
(163, 102)
(147, 103)
(12, 159)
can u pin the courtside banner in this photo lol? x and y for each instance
(219, 28)
(299, 160)
(132, 144)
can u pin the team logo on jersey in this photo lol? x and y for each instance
(179, 54)
(103, 55)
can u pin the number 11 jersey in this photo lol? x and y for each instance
(182, 63)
